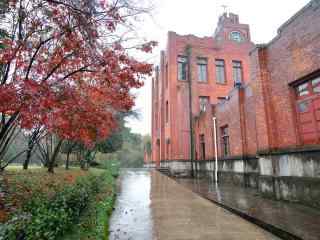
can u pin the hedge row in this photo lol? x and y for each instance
(49, 218)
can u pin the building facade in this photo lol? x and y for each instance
(272, 123)
(208, 68)
(268, 124)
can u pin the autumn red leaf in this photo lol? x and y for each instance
(66, 70)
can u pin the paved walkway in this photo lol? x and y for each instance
(299, 220)
(180, 214)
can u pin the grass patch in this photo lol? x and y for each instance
(18, 167)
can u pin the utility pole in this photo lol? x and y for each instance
(189, 54)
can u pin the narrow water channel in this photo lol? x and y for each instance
(132, 219)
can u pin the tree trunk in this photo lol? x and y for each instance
(82, 160)
(54, 157)
(83, 164)
(27, 160)
(67, 161)
(28, 157)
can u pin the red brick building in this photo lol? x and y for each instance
(272, 123)
(268, 124)
(211, 65)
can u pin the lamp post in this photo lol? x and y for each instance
(215, 148)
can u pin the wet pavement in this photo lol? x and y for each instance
(151, 206)
(299, 220)
(180, 214)
(131, 219)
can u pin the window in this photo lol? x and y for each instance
(237, 72)
(202, 147)
(316, 85)
(308, 88)
(303, 106)
(202, 69)
(236, 36)
(182, 68)
(167, 111)
(225, 146)
(220, 71)
(203, 101)
(303, 90)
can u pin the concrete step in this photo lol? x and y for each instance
(164, 171)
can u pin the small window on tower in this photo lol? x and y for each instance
(236, 36)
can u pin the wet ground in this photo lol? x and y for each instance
(132, 218)
(299, 220)
(151, 206)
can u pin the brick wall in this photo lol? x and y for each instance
(204, 126)
(263, 113)
(175, 134)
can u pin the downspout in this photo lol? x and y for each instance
(189, 53)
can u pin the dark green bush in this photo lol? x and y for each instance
(94, 223)
(48, 218)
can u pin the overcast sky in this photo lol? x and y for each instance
(200, 18)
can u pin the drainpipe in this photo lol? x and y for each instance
(215, 149)
(188, 51)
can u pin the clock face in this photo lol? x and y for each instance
(236, 36)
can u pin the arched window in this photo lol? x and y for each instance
(236, 36)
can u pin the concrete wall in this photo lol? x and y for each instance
(291, 176)
(178, 168)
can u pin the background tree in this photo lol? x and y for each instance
(131, 153)
(48, 150)
(32, 137)
(147, 144)
(67, 148)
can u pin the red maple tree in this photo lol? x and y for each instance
(66, 67)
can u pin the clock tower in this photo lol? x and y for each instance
(230, 29)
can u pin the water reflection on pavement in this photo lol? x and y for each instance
(296, 219)
(131, 219)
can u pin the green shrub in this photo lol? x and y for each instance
(94, 223)
(48, 218)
